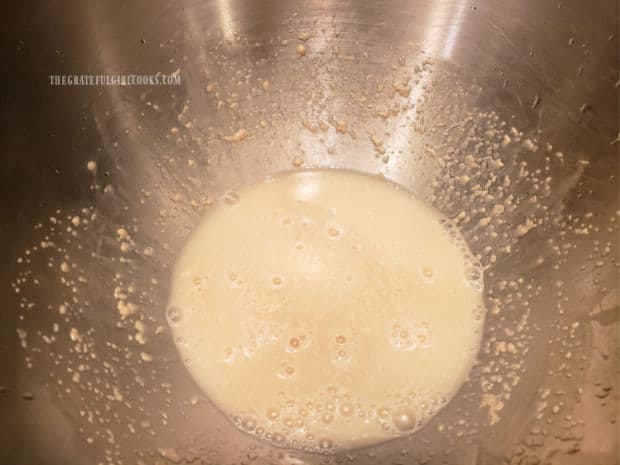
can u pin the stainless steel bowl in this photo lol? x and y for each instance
(425, 93)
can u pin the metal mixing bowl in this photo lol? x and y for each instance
(425, 93)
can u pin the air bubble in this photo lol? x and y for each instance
(174, 314)
(346, 409)
(325, 443)
(473, 274)
(248, 424)
(334, 231)
(286, 371)
(404, 419)
(383, 411)
(230, 198)
(427, 272)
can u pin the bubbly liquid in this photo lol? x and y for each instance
(326, 310)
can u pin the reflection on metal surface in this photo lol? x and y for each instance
(438, 42)
(548, 70)
(225, 17)
(454, 29)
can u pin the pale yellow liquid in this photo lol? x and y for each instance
(326, 310)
